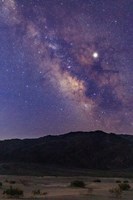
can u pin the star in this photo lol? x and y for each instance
(95, 55)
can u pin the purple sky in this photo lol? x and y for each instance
(65, 65)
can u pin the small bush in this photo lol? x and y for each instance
(44, 193)
(36, 192)
(12, 182)
(24, 182)
(77, 184)
(124, 186)
(13, 192)
(118, 181)
(97, 181)
(125, 181)
(116, 191)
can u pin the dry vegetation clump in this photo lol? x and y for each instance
(97, 181)
(116, 191)
(36, 192)
(124, 186)
(24, 182)
(44, 193)
(77, 183)
(12, 182)
(125, 181)
(118, 181)
(16, 192)
(1, 184)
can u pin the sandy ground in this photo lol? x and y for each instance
(58, 188)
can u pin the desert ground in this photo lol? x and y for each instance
(58, 188)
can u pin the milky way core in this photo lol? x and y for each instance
(65, 65)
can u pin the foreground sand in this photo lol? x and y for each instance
(58, 188)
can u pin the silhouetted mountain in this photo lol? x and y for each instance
(89, 150)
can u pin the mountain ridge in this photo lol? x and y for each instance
(85, 150)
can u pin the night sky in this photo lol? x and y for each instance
(65, 65)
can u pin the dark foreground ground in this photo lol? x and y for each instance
(54, 182)
(30, 169)
(58, 188)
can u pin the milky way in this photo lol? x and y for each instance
(66, 65)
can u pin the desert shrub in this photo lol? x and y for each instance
(118, 181)
(116, 191)
(36, 192)
(24, 182)
(12, 182)
(124, 186)
(125, 181)
(44, 193)
(77, 184)
(97, 181)
(13, 192)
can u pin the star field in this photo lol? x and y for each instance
(65, 65)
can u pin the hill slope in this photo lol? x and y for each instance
(89, 150)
